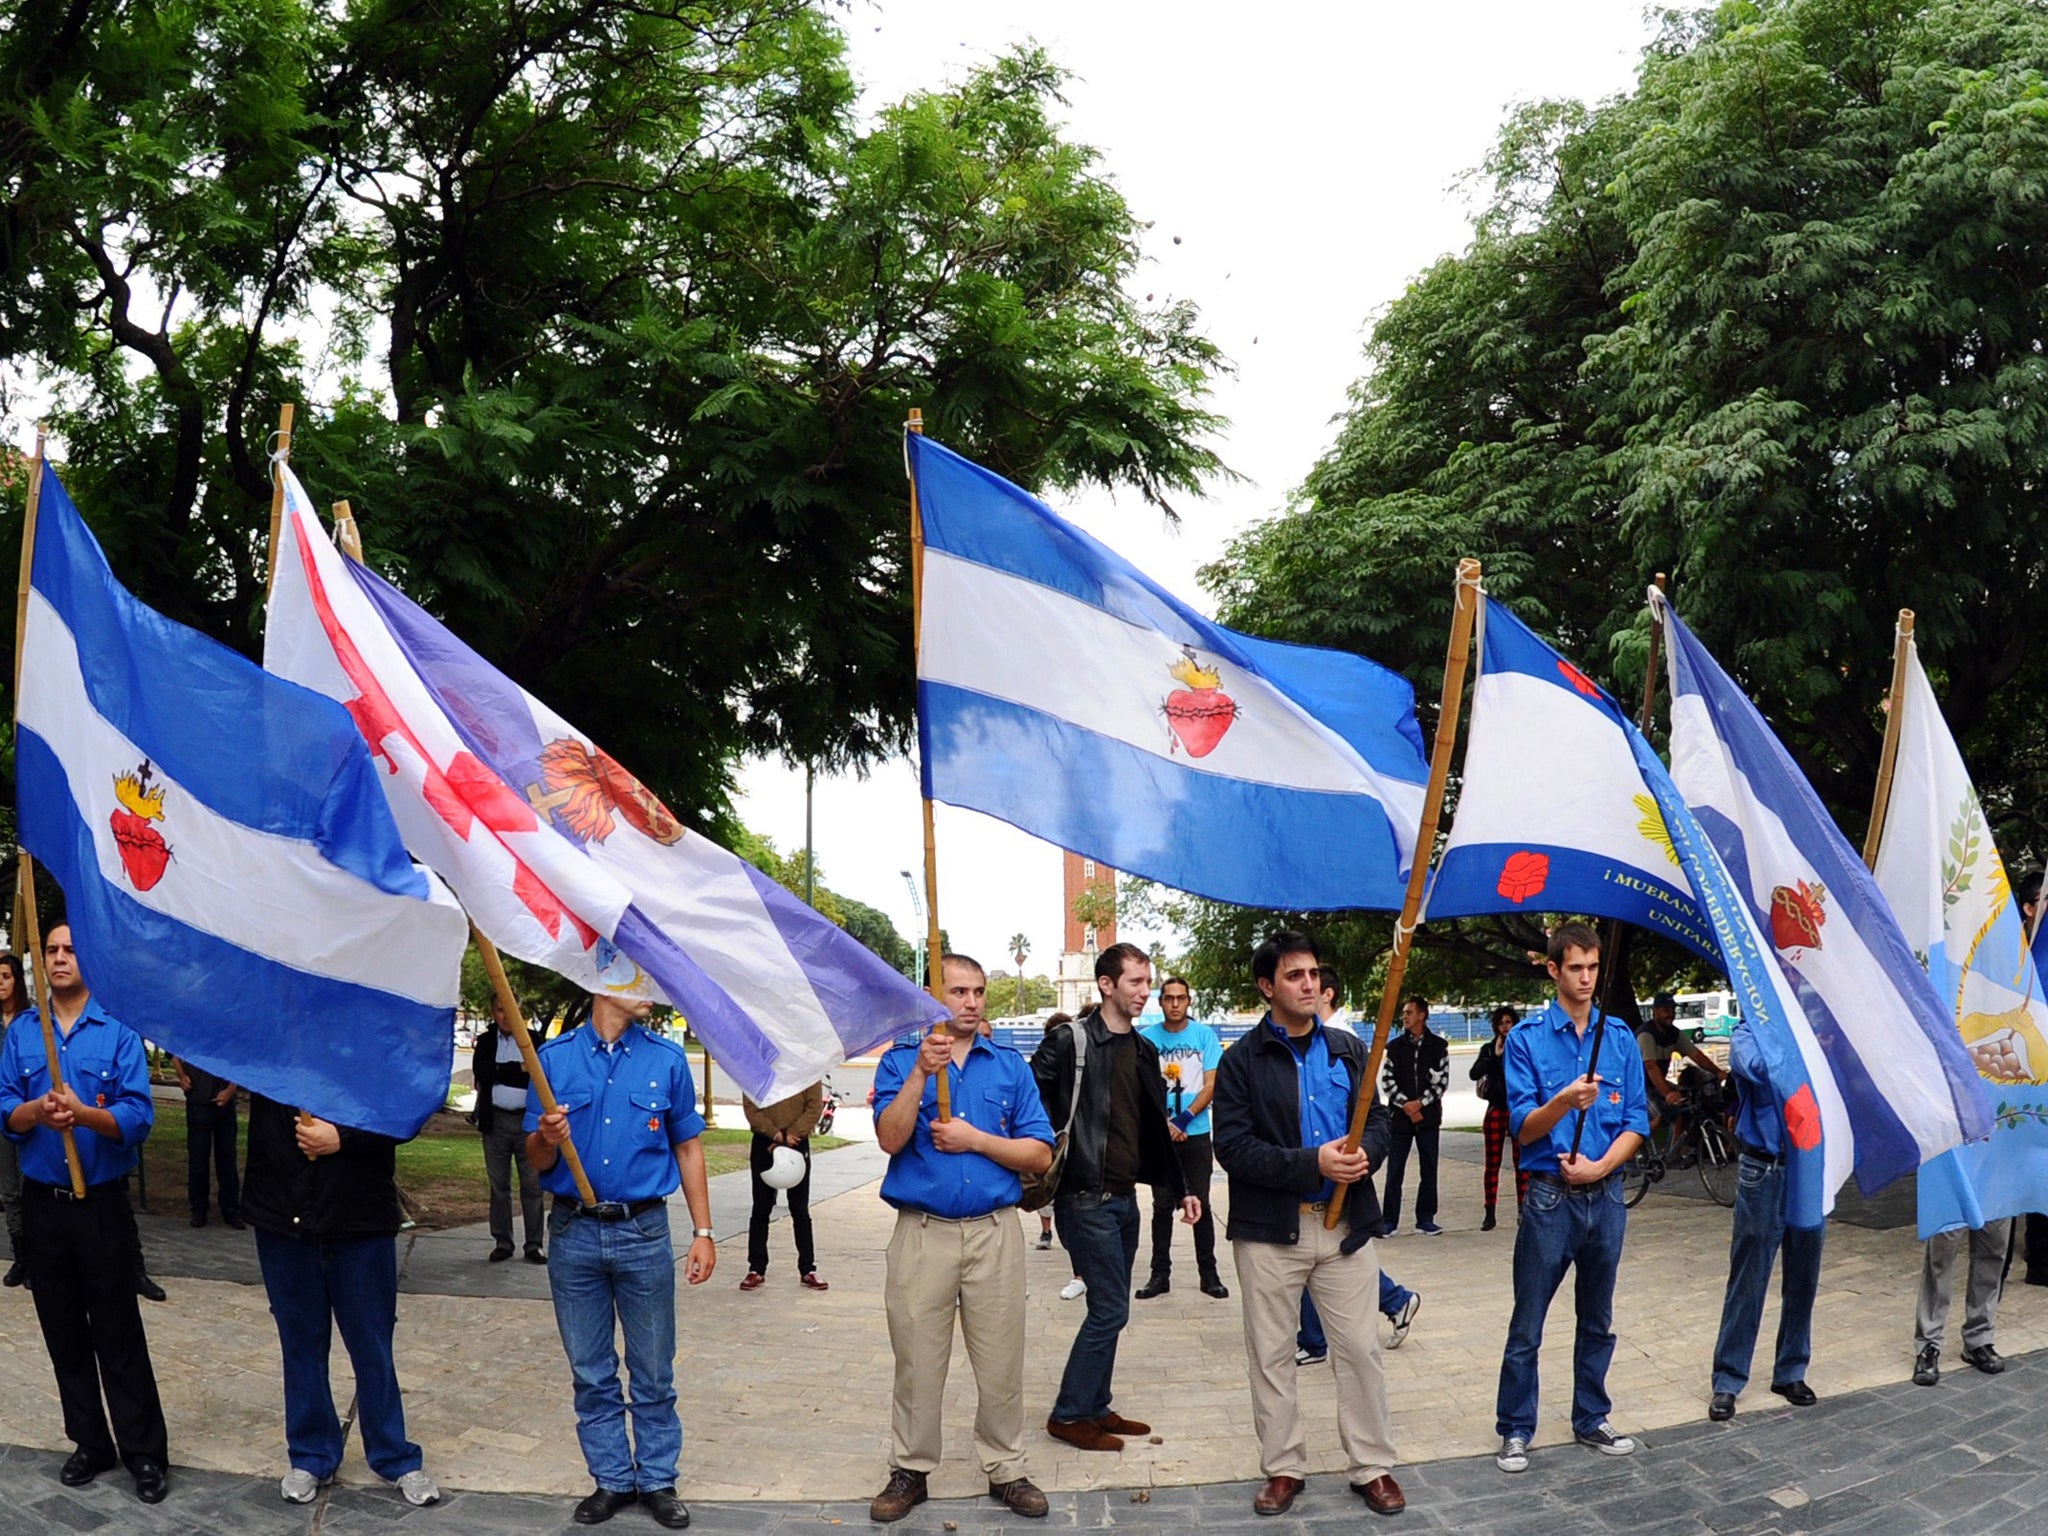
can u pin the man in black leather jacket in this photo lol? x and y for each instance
(1284, 1098)
(1118, 1139)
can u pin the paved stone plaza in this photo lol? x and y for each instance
(786, 1397)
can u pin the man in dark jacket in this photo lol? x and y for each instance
(498, 1068)
(1413, 1080)
(1119, 1139)
(1284, 1098)
(324, 1202)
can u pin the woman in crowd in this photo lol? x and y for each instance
(1493, 1087)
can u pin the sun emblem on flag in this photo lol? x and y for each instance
(1199, 712)
(615, 968)
(1798, 912)
(1652, 829)
(144, 853)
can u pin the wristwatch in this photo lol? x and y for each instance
(702, 1232)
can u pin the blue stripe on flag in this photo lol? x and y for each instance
(1245, 843)
(1468, 883)
(740, 1044)
(285, 1033)
(188, 701)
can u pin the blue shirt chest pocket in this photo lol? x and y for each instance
(650, 1113)
(998, 1114)
(96, 1086)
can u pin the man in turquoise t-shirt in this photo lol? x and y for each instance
(1188, 1053)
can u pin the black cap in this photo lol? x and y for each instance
(1664, 1000)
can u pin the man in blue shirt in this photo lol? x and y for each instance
(80, 1252)
(1759, 1231)
(1574, 1214)
(957, 1246)
(1189, 1051)
(627, 1099)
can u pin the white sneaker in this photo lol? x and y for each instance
(299, 1486)
(1513, 1455)
(419, 1488)
(1405, 1319)
(1602, 1438)
(1073, 1288)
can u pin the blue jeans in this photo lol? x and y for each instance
(609, 1277)
(1759, 1231)
(1562, 1229)
(1100, 1234)
(1393, 1298)
(351, 1284)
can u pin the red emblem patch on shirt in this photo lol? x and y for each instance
(99, 1101)
(1614, 1098)
(654, 1122)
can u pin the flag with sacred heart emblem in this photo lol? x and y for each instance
(236, 889)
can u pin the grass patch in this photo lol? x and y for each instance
(440, 1171)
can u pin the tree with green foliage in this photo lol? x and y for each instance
(1774, 322)
(604, 314)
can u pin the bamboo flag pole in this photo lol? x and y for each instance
(1888, 759)
(25, 889)
(501, 988)
(935, 965)
(1463, 614)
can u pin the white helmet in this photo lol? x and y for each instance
(786, 1170)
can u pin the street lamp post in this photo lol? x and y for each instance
(917, 911)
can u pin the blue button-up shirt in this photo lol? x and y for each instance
(104, 1063)
(630, 1104)
(993, 1091)
(1758, 1121)
(1544, 1053)
(1325, 1093)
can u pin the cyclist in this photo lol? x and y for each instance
(1659, 1041)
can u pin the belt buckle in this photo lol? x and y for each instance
(608, 1210)
(65, 1192)
(1315, 1205)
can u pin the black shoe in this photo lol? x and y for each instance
(147, 1288)
(535, 1256)
(1212, 1285)
(1927, 1368)
(1722, 1408)
(234, 1219)
(1489, 1224)
(1984, 1358)
(666, 1508)
(1158, 1285)
(501, 1253)
(17, 1273)
(199, 1220)
(152, 1480)
(1797, 1393)
(602, 1505)
(82, 1466)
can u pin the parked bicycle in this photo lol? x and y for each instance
(1707, 1145)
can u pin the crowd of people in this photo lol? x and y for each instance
(1104, 1105)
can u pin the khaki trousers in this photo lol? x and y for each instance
(976, 1268)
(1270, 1277)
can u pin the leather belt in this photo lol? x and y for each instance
(64, 1192)
(610, 1210)
(1559, 1181)
(1757, 1154)
(1318, 1206)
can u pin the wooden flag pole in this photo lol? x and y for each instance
(25, 889)
(934, 965)
(1463, 613)
(347, 537)
(1888, 760)
(508, 1003)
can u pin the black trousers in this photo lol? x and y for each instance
(82, 1267)
(1423, 1139)
(211, 1131)
(758, 1159)
(1197, 1164)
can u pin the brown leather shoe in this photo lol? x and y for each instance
(1117, 1424)
(1382, 1495)
(811, 1282)
(1277, 1497)
(1020, 1497)
(1085, 1434)
(905, 1492)
(753, 1282)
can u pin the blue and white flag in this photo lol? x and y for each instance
(1063, 691)
(1566, 808)
(1939, 868)
(1891, 1047)
(1553, 814)
(563, 857)
(235, 886)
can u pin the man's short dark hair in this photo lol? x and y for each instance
(1287, 941)
(1416, 1000)
(1057, 1020)
(1177, 981)
(1571, 936)
(1112, 962)
(950, 958)
(2029, 888)
(1332, 979)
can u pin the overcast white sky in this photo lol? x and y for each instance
(1307, 156)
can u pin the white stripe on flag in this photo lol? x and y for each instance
(248, 887)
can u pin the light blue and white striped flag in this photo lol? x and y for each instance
(234, 883)
(1063, 691)
(1910, 1088)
